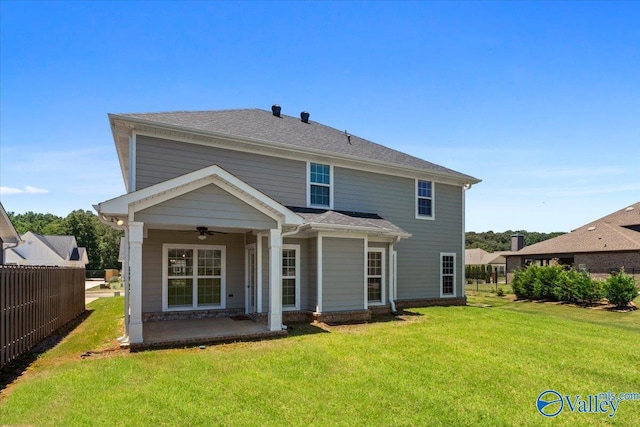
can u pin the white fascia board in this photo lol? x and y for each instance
(166, 190)
(257, 146)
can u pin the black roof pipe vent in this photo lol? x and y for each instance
(304, 116)
(275, 109)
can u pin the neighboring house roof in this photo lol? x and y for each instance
(619, 231)
(316, 218)
(478, 256)
(8, 233)
(14, 253)
(64, 246)
(285, 131)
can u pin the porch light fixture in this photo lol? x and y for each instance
(119, 222)
(202, 236)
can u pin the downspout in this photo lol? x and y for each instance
(394, 284)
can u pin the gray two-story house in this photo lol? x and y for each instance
(277, 217)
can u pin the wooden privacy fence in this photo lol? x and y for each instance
(35, 301)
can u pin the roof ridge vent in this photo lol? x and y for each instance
(304, 117)
(275, 109)
(629, 209)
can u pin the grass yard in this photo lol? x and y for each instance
(449, 366)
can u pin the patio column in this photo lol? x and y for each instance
(275, 280)
(136, 236)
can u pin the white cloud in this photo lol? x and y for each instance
(28, 189)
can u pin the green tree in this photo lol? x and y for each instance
(46, 224)
(83, 225)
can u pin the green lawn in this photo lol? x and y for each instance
(449, 366)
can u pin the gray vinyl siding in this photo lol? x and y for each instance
(342, 274)
(158, 160)
(312, 259)
(207, 206)
(152, 265)
(393, 198)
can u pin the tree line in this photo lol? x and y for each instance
(501, 241)
(101, 241)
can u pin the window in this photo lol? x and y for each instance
(447, 274)
(291, 277)
(193, 277)
(320, 186)
(424, 199)
(375, 276)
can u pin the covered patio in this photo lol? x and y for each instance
(200, 331)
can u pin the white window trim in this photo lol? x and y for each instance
(297, 277)
(331, 181)
(433, 200)
(165, 278)
(383, 277)
(455, 268)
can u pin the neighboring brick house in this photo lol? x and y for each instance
(277, 217)
(601, 246)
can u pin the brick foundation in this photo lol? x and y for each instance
(189, 314)
(431, 302)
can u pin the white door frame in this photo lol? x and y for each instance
(250, 250)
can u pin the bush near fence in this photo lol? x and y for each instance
(35, 302)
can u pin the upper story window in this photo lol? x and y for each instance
(424, 199)
(320, 185)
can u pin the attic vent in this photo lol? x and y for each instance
(591, 228)
(275, 109)
(304, 116)
(629, 209)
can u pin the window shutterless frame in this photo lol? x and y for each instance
(320, 179)
(290, 277)
(447, 274)
(193, 277)
(425, 199)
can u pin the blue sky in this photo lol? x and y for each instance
(539, 100)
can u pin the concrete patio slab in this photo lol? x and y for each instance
(173, 333)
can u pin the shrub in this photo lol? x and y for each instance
(547, 278)
(523, 280)
(500, 292)
(620, 289)
(588, 290)
(565, 289)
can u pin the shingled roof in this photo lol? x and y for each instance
(263, 126)
(619, 231)
(354, 220)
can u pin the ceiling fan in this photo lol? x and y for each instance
(204, 231)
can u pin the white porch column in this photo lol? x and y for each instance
(275, 280)
(125, 275)
(135, 265)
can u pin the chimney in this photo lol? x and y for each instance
(304, 116)
(275, 109)
(517, 242)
